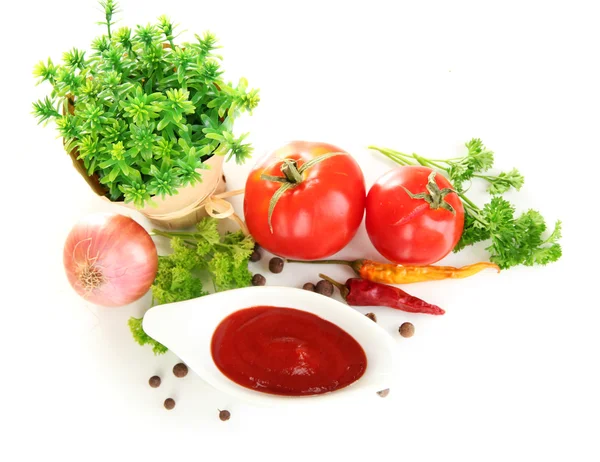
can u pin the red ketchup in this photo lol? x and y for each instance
(284, 351)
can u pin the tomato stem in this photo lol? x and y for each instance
(278, 179)
(292, 178)
(290, 170)
(435, 196)
(273, 202)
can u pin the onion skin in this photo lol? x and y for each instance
(110, 259)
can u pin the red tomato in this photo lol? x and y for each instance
(407, 230)
(315, 218)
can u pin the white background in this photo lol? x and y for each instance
(509, 373)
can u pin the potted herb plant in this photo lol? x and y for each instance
(146, 121)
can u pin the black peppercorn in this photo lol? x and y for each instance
(309, 286)
(384, 393)
(407, 330)
(224, 415)
(169, 404)
(324, 288)
(180, 370)
(371, 316)
(255, 256)
(276, 265)
(258, 280)
(154, 381)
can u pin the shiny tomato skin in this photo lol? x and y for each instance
(406, 230)
(315, 219)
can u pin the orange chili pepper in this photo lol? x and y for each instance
(390, 273)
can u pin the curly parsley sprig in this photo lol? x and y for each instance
(514, 240)
(197, 255)
(135, 325)
(223, 257)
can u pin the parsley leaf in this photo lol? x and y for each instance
(203, 254)
(513, 240)
(135, 325)
(478, 159)
(473, 232)
(519, 241)
(224, 257)
(504, 181)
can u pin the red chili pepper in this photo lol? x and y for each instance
(360, 292)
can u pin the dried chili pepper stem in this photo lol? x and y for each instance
(360, 292)
(390, 273)
(344, 291)
(356, 265)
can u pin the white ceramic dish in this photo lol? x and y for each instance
(186, 328)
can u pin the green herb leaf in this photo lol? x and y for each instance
(223, 257)
(473, 232)
(504, 181)
(479, 158)
(136, 86)
(513, 241)
(45, 109)
(203, 253)
(45, 72)
(135, 325)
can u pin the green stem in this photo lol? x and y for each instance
(478, 218)
(488, 178)
(447, 161)
(391, 153)
(421, 160)
(473, 210)
(195, 237)
(399, 160)
(429, 162)
(172, 234)
(132, 53)
(406, 159)
(467, 201)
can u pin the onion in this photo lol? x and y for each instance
(110, 260)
